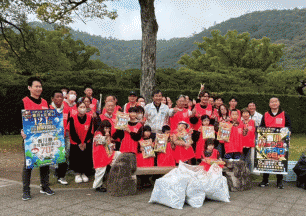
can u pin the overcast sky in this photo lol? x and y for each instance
(177, 18)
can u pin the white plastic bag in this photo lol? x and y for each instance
(214, 184)
(170, 190)
(195, 194)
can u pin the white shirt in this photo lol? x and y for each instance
(257, 118)
(156, 120)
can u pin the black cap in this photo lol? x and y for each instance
(133, 93)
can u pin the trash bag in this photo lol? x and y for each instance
(300, 171)
(215, 184)
(170, 190)
(195, 194)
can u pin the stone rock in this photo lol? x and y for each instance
(121, 180)
(238, 175)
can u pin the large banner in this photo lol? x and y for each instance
(45, 143)
(272, 150)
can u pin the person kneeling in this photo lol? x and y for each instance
(103, 153)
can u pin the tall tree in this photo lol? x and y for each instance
(149, 28)
(233, 50)
(52, 11)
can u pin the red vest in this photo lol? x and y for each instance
(128, 144)
(276, 122)
(166, 159)
(81, 129)
(200, 146)
(100, 157)
(72, 110)
(235, 142)
(214, 156)
(177, 117)
(111, 120)
(200, 111)
(30, 105)
(65, 115)
(144, 162)
(249, 139)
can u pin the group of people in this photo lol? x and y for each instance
(95, 141)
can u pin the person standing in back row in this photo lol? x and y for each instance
(34, 102)
(275, 118)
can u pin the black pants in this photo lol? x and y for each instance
(266, 177)
(61, 170)
(26, 177)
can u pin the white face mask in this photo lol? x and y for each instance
(72, 97)
(64, 94)
(82, 111)
(142, 104)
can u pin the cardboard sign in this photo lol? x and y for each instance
(45, 142)
(272, 150)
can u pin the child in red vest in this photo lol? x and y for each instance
(233, 148)
(131, 133)
(103, 153)
(248, 138)
(210, 155)
(166, 159)
(182, 140)
(145, 135)
(201, 142)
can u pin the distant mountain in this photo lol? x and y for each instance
(282, 26)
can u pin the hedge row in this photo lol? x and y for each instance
(11, 95)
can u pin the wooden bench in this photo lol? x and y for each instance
(156, 170)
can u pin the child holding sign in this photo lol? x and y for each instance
(165, 158)
(210, 155)
(145, 155)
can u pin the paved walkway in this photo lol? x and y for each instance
(257, 201)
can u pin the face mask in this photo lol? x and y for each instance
(72, 97)
(142, 104)
(64, 94)
(82, 111)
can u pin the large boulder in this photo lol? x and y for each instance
(121, 179)
(238, 175)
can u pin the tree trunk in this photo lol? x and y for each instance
(148, 51)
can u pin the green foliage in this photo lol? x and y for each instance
(232, 50)
(29, 154)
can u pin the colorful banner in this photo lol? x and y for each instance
(272, 150)
(45, 143)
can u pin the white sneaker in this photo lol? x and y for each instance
(84, 177)
(62, 181)
(78, 179)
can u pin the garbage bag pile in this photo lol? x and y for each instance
(300, 171)
(190, 184)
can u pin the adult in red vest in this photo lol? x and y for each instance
(57, 103)
(232, 105)
(89, 109)
(179, 113)
(70, 102)
(94, 102)
(34, 102)
(276, 118)
(81, 133)
(132, 102)
(248, 138)
(111, 98)
(201, 109)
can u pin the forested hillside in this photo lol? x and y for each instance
(281, 26)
